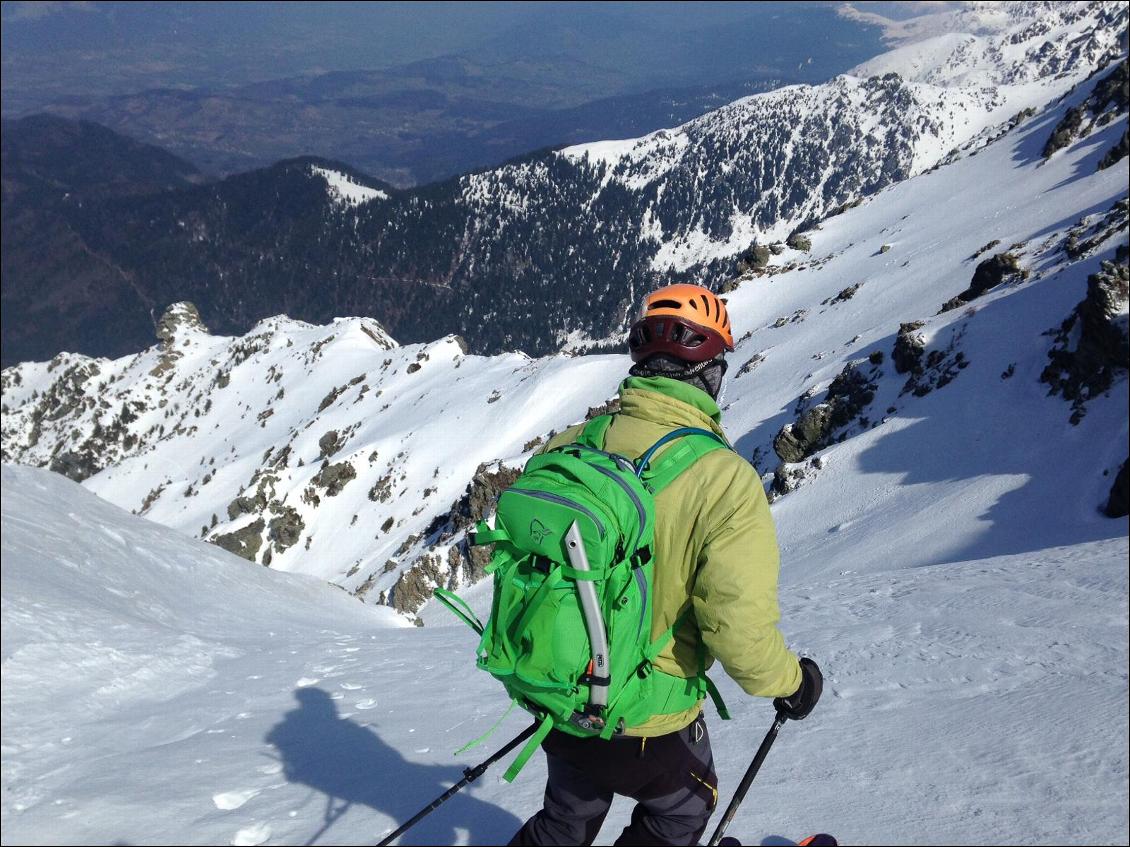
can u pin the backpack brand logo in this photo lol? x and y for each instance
(539, 531)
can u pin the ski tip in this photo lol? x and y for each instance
(821, 839)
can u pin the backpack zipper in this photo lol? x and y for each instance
(561, 501)
(626, 464)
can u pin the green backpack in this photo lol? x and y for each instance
(569, 633)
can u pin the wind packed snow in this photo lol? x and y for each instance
(946, 561)
(346, 191)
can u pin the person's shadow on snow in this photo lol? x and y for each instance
(351, 765)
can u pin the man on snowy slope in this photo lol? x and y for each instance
(716, 552)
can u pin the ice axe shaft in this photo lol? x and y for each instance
(747, 780)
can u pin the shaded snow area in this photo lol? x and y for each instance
(156, 690)
(344, 190)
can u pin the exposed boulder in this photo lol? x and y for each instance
(285, 529)
(755, 258)
(844, 295)
(788, 478)
(335, 477)
(850, 393)
(330, 443)
(909, 348)
(799, 242)
(1118, 504)
(1102, 349)
(989, 274)
(243, 542)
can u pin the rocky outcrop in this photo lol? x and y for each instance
(909, 348)
(1118, 504)
(788, 478)
(844, 295)
(850, 393)
(754, 259)
(928, 369)
(333, 478)
(1003, 267)
(799, 242)
(244, 542)
(416, 585)
(1102, 352)
(175, 327)
(1116, 153)
(1107, 100)
(285, 529)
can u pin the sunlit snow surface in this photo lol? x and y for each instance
(157, 690)
(344, 191)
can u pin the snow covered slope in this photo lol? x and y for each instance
(159, 691)
(326, 450)
(335, 452)
(754, 170)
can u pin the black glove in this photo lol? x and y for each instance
(797, 705)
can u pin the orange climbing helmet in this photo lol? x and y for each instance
(688, 322)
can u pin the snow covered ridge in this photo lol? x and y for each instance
(327, 450)
(756, 169)
(344, 190)
(903, 351)
(1005, 43)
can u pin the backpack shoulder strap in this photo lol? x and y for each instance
(694, 444)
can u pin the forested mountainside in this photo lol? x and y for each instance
(550, 248)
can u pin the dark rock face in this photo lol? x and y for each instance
(335, 477)
(1118, 505)
(243, 542)
(330, 443)
(464, 562)
(1107, 99)
(285, 529)
(75, 465)
(1116, 153)
(1103, 349)
(909, 347)
(989, 274)
(787, 479)
(848, 396)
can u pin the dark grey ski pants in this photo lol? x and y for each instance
(670, 777)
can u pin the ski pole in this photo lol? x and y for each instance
(469, 776)
(747, 780)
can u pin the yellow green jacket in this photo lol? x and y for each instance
(715, 549)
